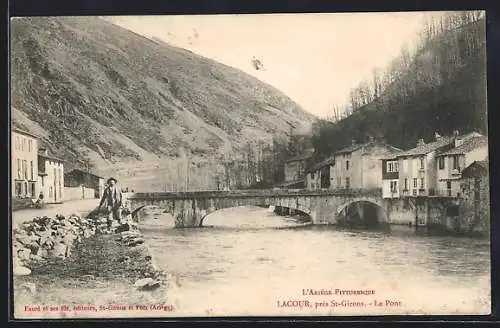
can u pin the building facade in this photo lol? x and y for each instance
(295, 167)
(451, 163)
(475, 196)
(319, 175)
(84, 179)
(50, 177)
(418, 166)
(390, 177)
(24, 164)
(359, 166)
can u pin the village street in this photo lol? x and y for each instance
(67, 208)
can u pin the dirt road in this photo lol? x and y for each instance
(67, 208)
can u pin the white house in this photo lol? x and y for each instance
(50, 177)
(417, 166)
(451, 163)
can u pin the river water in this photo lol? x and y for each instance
(248, 261)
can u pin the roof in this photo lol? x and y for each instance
(476, 168)
(329, 161)
(355, 147)
(467, 146)
(26, 133)
(50, 157)
(436, 145)
(86, 172)
(301, 157)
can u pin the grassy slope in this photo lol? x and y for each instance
(94, 90)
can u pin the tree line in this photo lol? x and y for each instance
(439, 86)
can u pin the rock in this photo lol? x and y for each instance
(21, 271)
(123, 228)
(29, 287)
(60, 250)
(147, 284)
(135, 242)
(24, 254)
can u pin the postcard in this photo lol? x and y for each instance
(249, 165)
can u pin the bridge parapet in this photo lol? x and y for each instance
(253, 193)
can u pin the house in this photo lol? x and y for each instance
(24, 164)
(295, 169)
(417, 166)
(475, 195)
(318, 175)
(50, 177)
(390, 177)
(359, 166)
(84, 179)
(450, 163)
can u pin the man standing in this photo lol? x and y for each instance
(112, 196)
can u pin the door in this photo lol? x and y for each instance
(448, 187)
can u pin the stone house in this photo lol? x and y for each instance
(295, 167)
(24, 164)
(84, 179)
(318, 175)
(417, 166)
(359, 166)
(474, 200)
(450, 163)
(50, 177)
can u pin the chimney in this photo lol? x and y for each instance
(456, 133)
(43, 151)
(420, 142)
(353, 141)
(437, 136)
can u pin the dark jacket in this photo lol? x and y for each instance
(111, 198)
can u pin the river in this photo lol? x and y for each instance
(248, 261)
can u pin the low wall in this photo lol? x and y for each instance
(73, 193)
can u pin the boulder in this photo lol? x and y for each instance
(21, 271)
(135, 242)
(147, 284)
(24, 254)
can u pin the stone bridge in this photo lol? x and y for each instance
(322, 206)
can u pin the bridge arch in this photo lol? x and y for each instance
(367, 210)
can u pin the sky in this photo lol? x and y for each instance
(316, 59)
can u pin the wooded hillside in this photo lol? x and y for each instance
(439, 87)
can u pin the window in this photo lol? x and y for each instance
(406, 183)
(414, 182)
(396, 167)
(441, 163)
(455, 162)
(312, 175)
(390, 167)
(25, 169)
(50, 191)
(32, 189)
(394, 186)
(347, 165)
(19, 189)
(339, 182)
(19, 172)
(421, 183)
(23, 148)
(347, 183)
(30, 145)
(448, 184)
(43, 181)
(422, 163)
(32, 171)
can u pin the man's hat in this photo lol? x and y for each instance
(111, 179)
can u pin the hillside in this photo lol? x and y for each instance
(440, 89)
(100, 94)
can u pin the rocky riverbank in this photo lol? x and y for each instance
(78, 267)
